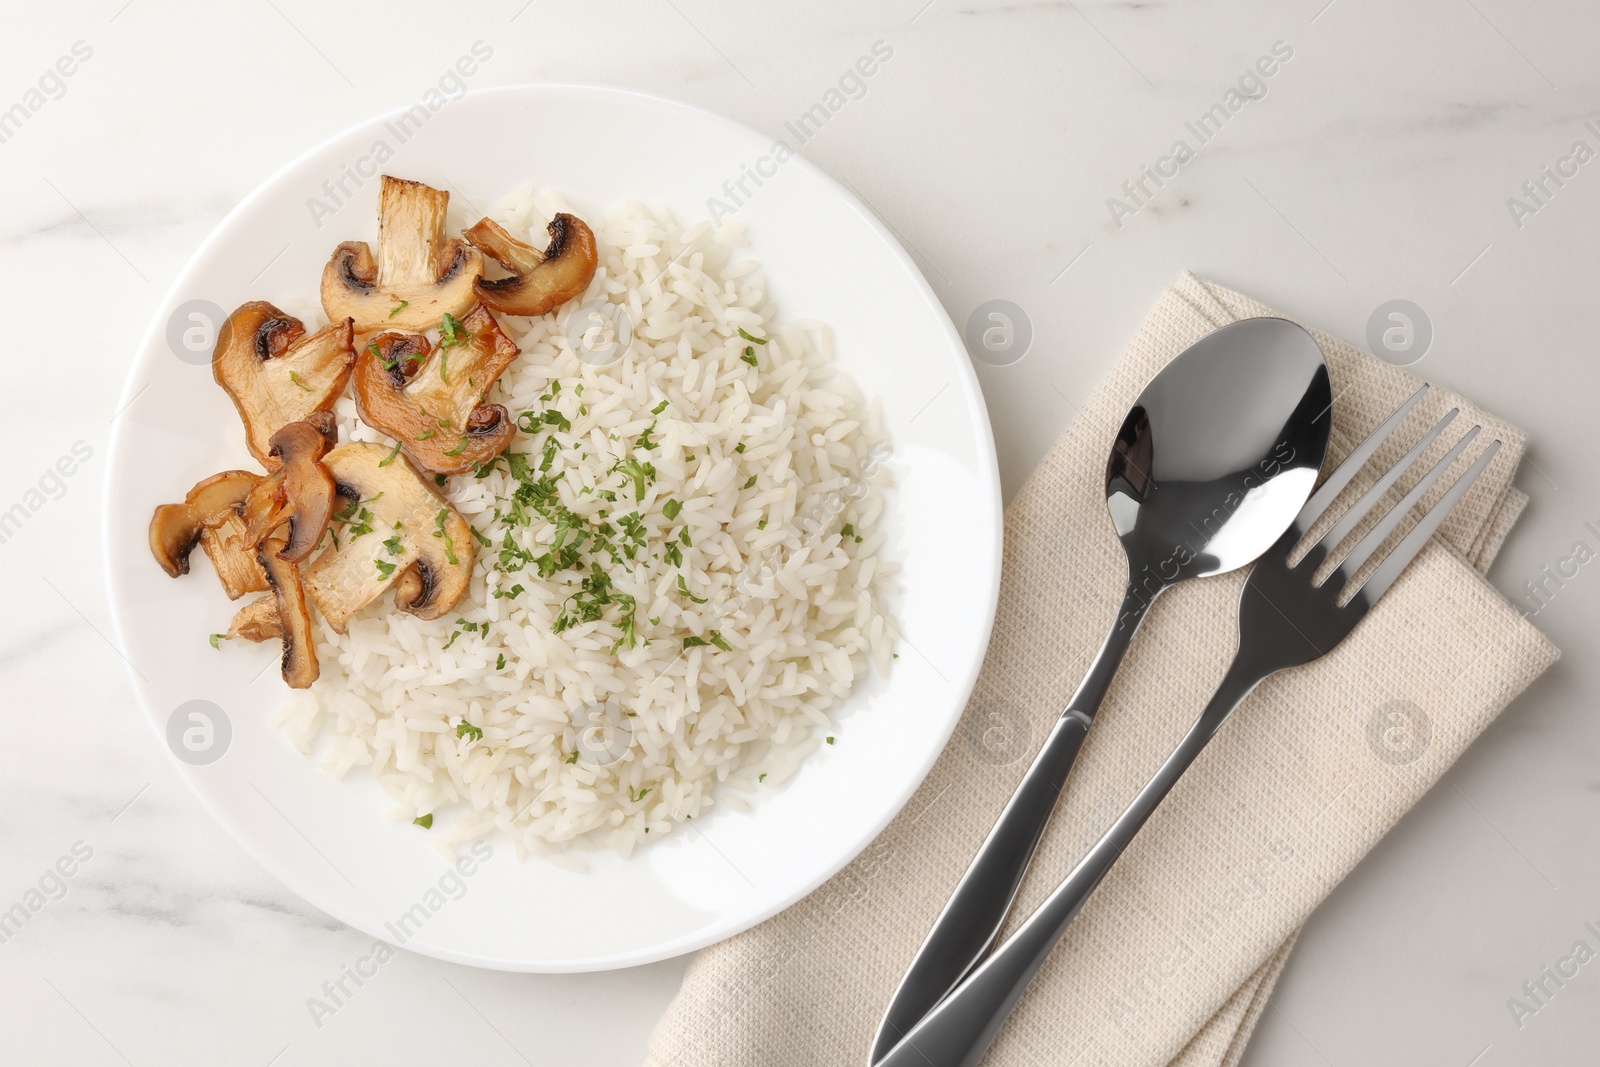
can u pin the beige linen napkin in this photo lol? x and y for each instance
(1172, 960)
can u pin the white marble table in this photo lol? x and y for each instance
(1376, 162)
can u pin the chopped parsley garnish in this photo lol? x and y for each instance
(761, 777)
(451, 333)
(424, 821)
(469, 731)
(671, 508)
(644, 441)
(478, 537)
(641, 795)
(739, 448)
(749, 355)
(847, 530)
(385, 569)
(424, 435)
(642, 474)
(460, 447)
(762, 525)
(440, 532)
(574, 757)
(392, 545)
(684, 589)
(751, 338)
(748, 482)
(399, 308)
(712, 637)
(659, 408)
(500, 662)
(386, 460)
(295, 378)
(830, 740)
(508, 594)
(215, 638)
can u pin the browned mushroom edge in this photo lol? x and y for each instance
(539, 282)
(299, 494)
(299, 660)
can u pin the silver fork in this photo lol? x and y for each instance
(1286, 619)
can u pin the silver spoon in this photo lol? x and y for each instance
(1212, 464)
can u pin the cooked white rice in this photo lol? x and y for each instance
(582, 745)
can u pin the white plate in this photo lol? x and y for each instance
(826, 257)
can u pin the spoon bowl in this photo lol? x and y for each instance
(1219, 452)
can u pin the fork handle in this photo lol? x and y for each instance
(971, 920)
(958, 1031)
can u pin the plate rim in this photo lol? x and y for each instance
(717, 930)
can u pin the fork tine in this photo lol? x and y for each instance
(1319, 501)
(1380, 580)
(1374, 537)
(1358, 511)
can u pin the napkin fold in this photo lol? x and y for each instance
(1172, 960)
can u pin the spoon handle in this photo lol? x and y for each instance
(967, 927)
(958, 1031)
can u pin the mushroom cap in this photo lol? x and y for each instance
(437, 412)
(425, 547)
(299, 662)
(299, 494)
(176, 528)
(275, 373)
(416, 277)
(539, 282)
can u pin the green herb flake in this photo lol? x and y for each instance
(295, 378)
(830, 740)
(751, 338)
(748, 482)
(424, 435)
(460, 448)
(749, 355)
(386, 460)
(671, 508)
(216, 638)
(385, 569)
(739, 448)
(424, 821)
(500, 662)
(762, 525)
(573, 758)
(847, 530)
(684, 589)
(478, 537)
(399, 308)
(469, 731)
(659, 408)
(440, 532)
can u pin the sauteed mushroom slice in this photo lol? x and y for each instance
(257, 620)
(299, 661)
(417, 276)
(232, 556)
(176, 528)
(430, 398)
(397, 532)
(275, 373)
(540, 281)
(299, 494)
